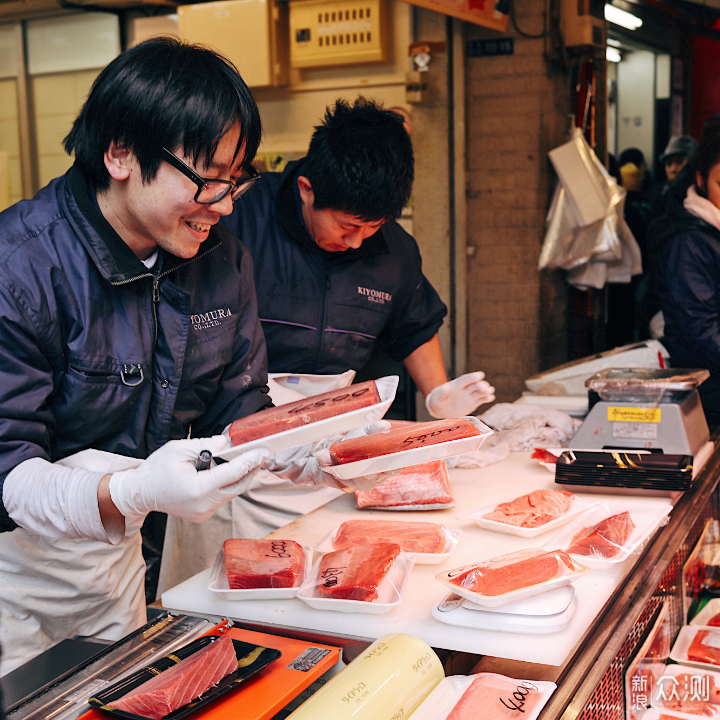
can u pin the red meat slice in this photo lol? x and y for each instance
(355, 573)
(262, 563)
(492, 580)
(302, 412)
(532, 510)
(400, 439)
(701, 651)
(604, 539)
(420, 537)
(496, 697)
(714, 621)
(543, 455)
(181, 683)
(426, 484)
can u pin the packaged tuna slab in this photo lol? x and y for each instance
(182, 683)
(421, 537)
(420, 487)
(486, 695)
(302, 412)
(263, 563)
(509, 578)
(604, 539)
(697, 647)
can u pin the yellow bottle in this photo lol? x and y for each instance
(386, 682)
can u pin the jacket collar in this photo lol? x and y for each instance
(116, 262)
(287, 211)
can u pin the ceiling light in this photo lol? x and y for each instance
(614, 43)
(621, 17)
(612, 55)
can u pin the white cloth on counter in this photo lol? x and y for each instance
(53, 589)
(484, 456)
(524, 427)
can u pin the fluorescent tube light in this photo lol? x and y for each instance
(614, 43)
(621, 17)
(612, 55)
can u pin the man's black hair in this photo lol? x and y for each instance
(360, 161)
(708, 153)
(163, 92)
(631, 155)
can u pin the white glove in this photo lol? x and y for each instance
(460, 396)
(304, 465)
(168, 481)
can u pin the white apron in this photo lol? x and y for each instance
(268, 504)
(51, 590)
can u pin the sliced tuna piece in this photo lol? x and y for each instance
(705, 647)
(605, 539)
(302, 412)
(419, 485)
(532, 510)
(356, 572)
(403, 438)
(419, 537)
(495, 697)
(181, 683)
(263, 563)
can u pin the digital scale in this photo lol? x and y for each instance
(656, 409)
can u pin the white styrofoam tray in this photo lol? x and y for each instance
(647, 517)
(390, 590)
(709, 611)
(451, 540)
(658, 713)
(414, 456)
(219, 583)
(711, 709)
(456, 610)
(321, 429)
(679, 652)
(577, 507)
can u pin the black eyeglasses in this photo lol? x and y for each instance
(212, 191)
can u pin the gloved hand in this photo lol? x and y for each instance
(460, 396)
(168, 481)
(304, 465)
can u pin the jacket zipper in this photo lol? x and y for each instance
(323, 312)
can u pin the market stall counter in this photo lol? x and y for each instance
(472, 490)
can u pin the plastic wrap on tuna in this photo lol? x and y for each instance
(705, 647)
(263, 563)
(302, 412)
(605, 539)
(181, 683)
(356, 572)
(496, 697)
(532, 510)
(420, 487)
(418, 537)
(400, 439)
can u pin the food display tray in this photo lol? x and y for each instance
(679, 652)
(711, 609)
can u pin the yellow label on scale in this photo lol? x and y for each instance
(634, 414)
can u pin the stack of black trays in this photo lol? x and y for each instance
(625, 469)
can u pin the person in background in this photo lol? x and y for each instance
(686, 246)
(129, 339)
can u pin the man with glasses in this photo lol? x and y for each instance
(129, 340)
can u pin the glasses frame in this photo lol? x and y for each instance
(236, 190)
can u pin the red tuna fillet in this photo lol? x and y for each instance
(262, 563)
(181, 683)
(701, 651)
(430, 433)
(419, 537)
(355, 573)
(714, 621)
(426, 484)
(604, 539)
(492, 580)
(302, 412)
(496, 697)
(532, 510)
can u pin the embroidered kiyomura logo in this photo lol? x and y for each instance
(203, 321)
(375, 295)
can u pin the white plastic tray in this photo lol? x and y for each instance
(648, 517)
(415, 456)
(390, 591)
(707, 613)
(456, 610)
(219, 582)
(712, 710)
(577, 507)
(452, 537)
(551, 602)
(514, 596)
(657, 713)
(321, 429)
(682, 645)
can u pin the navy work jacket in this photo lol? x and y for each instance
(323, 312)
